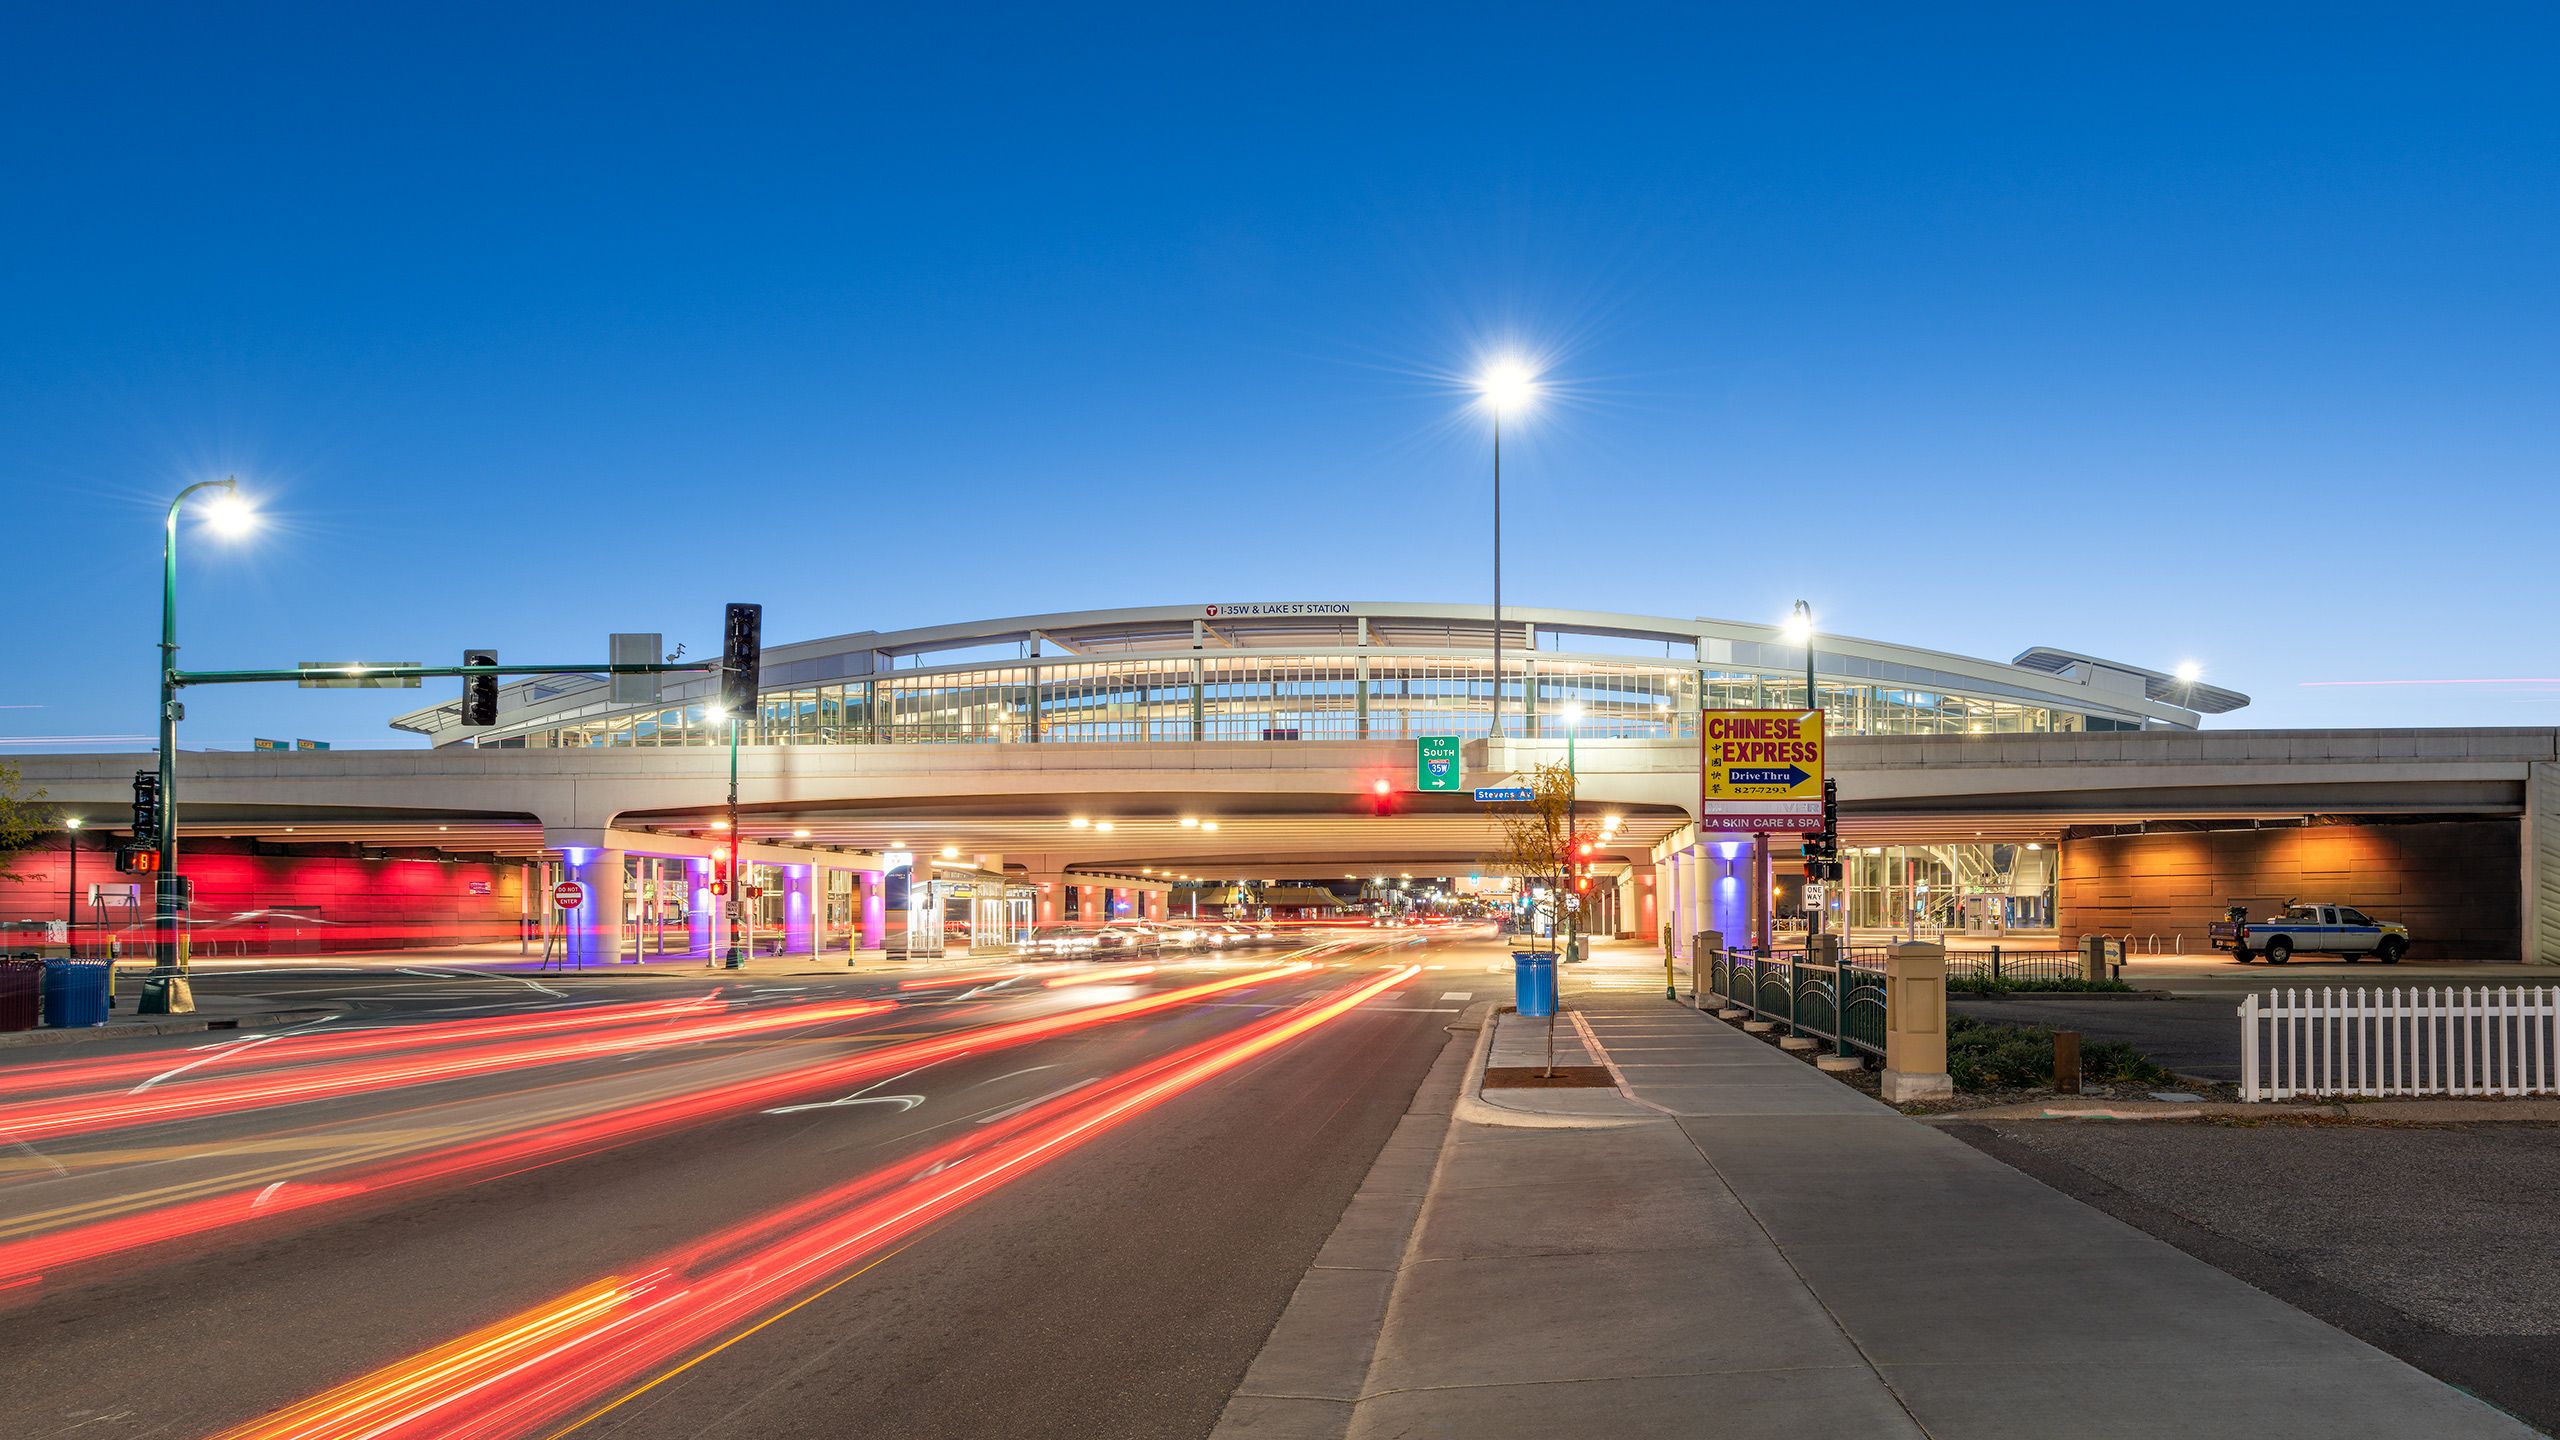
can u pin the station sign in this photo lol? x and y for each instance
(1760, 770)
(568, 894)
(1437, 763)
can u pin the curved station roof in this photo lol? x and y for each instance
(1265, 671)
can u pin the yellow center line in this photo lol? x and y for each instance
(669, 1374)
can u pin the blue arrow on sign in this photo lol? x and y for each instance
(1790, 776)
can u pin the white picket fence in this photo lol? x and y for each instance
(2502, 1040)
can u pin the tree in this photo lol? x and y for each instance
(1537, 833)
(24, 817)
(1537, 849)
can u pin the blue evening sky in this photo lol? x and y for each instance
(2161, 332)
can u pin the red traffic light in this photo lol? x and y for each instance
(1586, 849)
(719, 887)
(1380, 787)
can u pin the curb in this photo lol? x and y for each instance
(1473, 1109)
(2366, 1112)
(144, 1029)
(1313, 1367)
(1955, 995)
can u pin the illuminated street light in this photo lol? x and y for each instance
(1208, 824)
(1190, 822)
(1102, 825)
(799, 834)
(229, 515)
(950, 852)
(166, 991)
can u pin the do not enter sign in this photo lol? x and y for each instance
(568, 894)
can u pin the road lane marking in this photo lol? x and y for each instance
(1457, 994)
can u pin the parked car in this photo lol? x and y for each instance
(2340, 930)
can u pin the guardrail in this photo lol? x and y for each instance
(2488, 1041)
(1843, 1003)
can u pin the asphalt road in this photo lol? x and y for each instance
(1115, 1283)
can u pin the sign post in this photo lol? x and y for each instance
(1438, 763)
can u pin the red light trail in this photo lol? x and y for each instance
(91, 1114)
(549, 1362)
(27, 1261)
(304, 1047)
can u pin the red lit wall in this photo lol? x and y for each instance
(355, 904)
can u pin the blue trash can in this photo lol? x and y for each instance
(75, 993)
(1533, 982)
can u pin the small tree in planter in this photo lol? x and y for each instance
(1537, 848)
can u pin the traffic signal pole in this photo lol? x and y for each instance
(737, 959)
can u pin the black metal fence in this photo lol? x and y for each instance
(1842, 1003)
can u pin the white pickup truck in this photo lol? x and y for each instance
(2340, 930)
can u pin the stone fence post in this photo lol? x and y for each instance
(1915, 1019)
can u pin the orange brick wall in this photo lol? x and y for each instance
(2456, 884)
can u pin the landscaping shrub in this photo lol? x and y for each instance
(1983, 1055)
(2010, 985)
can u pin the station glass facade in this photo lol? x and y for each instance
(1260, 696)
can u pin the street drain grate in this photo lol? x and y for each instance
(1534, 1077)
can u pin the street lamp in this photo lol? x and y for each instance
(1506, 384)
(71, 891)
(166, 992)
(1799, 631)
(1572, 825)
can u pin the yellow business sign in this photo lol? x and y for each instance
(1760, 770)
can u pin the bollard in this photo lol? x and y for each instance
(1995, 964)
(2066, 1061)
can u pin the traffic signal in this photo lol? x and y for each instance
(1382, 796)
(741, 659)
(138, 858)
(146, 807)
(479, 692)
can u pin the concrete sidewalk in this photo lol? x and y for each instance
(1751, 1248)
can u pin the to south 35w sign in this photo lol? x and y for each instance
(1760, 770)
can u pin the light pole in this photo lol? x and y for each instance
(1799, 630)
(166, 992)
(1504, 384)
(1572, 826)
(71, 892)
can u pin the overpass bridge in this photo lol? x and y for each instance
(2469, 812)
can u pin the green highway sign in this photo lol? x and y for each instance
(1438, 763)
